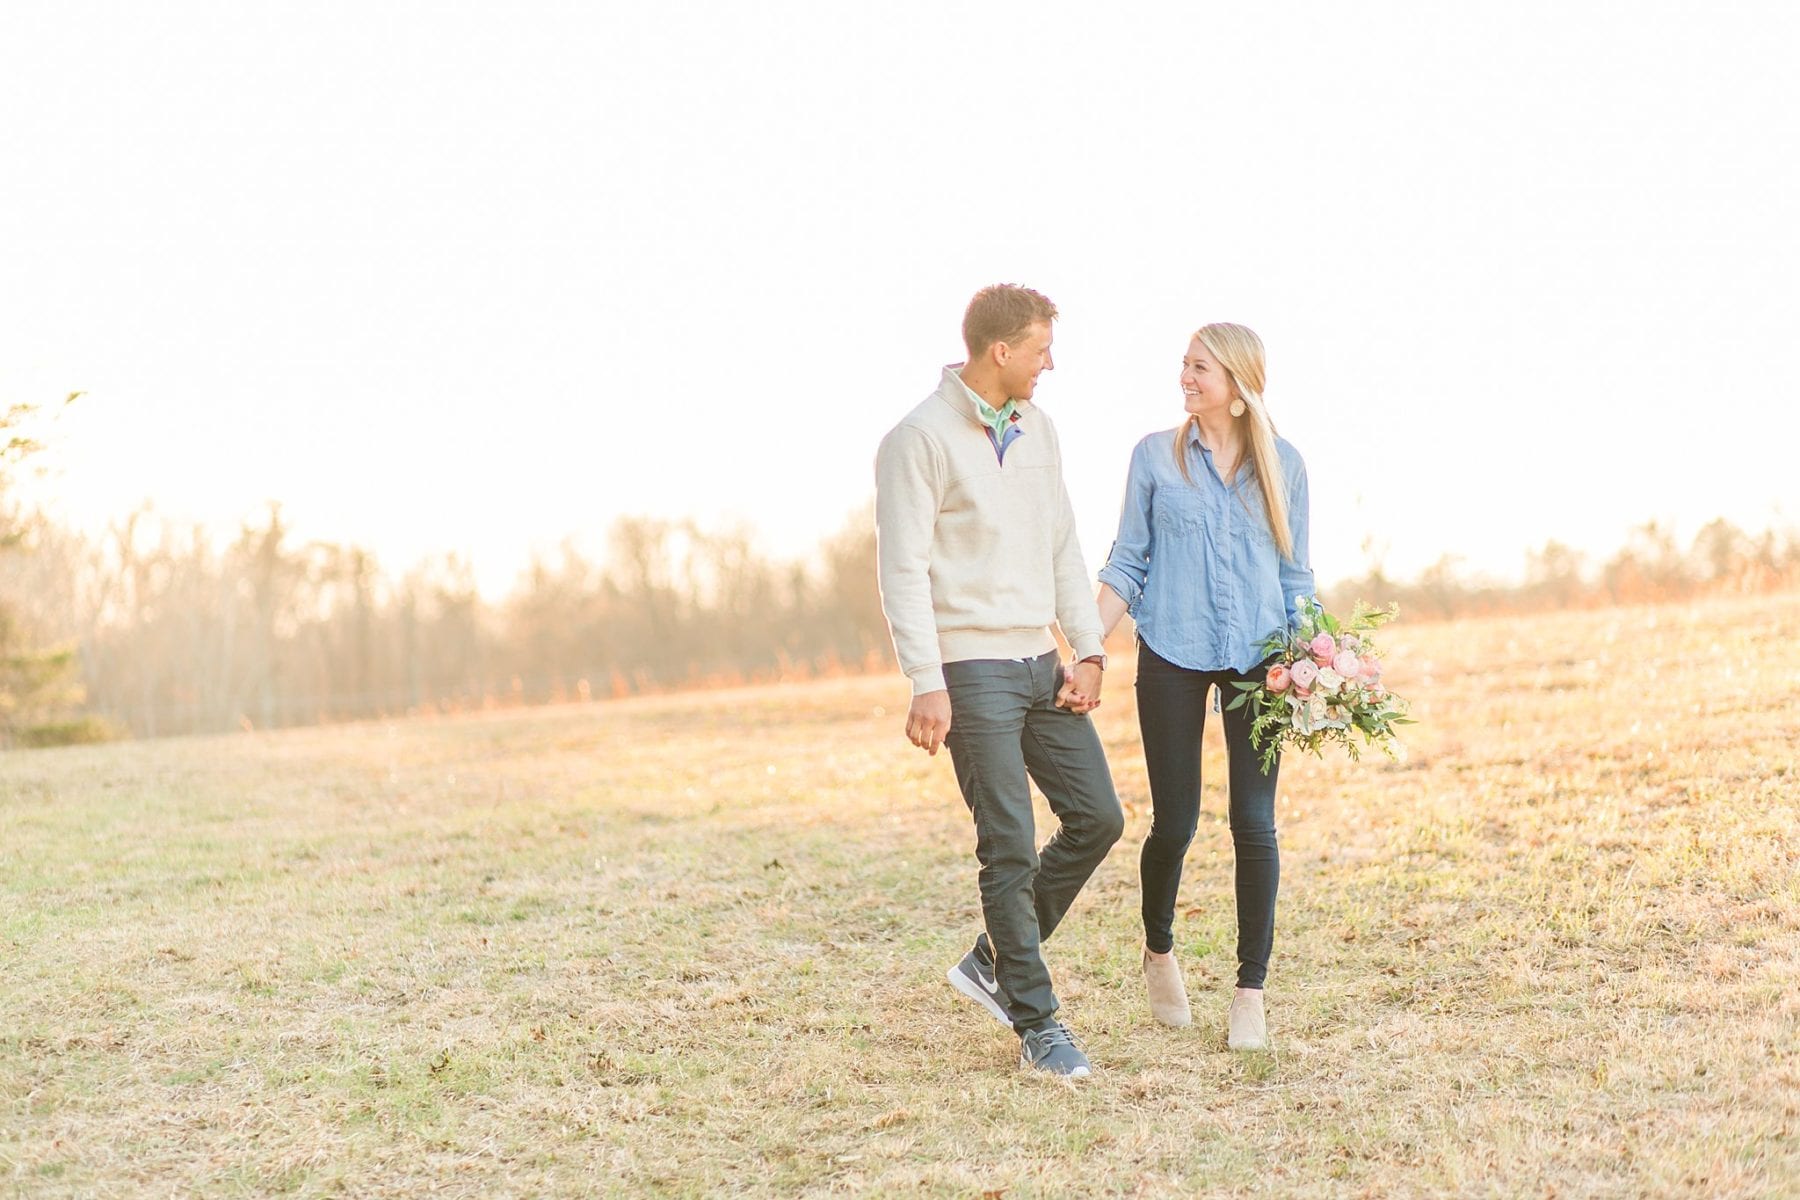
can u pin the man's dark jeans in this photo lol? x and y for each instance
(1004, 723)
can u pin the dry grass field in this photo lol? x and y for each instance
(694, 946)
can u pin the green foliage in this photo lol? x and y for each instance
(38, 689)
(1294, 715)
(84, 730)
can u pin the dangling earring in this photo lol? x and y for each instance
(1237, 407)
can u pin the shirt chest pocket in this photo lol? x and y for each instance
(1180, 510)
(1254, 519)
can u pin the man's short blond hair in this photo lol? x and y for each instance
(1002, 312)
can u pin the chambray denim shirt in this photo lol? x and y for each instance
(1195, 562)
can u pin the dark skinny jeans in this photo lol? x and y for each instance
(1172, 704)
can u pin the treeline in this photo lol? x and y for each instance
(1651, 566)
(155, 629)
(164, 633)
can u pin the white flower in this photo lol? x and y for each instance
(1301, 719)
(1329, 681)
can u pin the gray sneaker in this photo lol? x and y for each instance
(1053, 1049)
(974, 978)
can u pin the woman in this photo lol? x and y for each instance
(1210, 560)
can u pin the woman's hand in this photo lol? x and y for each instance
(1081, 688)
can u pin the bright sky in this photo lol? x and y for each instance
(480, 276)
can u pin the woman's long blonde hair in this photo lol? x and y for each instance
(1240, 352)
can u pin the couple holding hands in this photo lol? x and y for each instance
(977, 557)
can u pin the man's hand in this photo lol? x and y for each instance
(1081, 688)
(928, 720)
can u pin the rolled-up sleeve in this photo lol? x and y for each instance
(1296, 573)
(1128, 563)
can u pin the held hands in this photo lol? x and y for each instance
(1081, 688)
(928, 721)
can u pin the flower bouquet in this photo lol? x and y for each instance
(1324, 685)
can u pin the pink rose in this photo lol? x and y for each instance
(1278, 679)
(1370, 668)
(1303, 673)
(1305, 693)
(1323, 648)
(1345, 664)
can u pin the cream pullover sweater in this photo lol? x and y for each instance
(976, 557)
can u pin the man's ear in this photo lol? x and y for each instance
(999, 353)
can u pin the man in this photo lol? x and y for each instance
(977, 555)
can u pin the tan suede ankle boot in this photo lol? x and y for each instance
(1246, 1027)
(1168, 994)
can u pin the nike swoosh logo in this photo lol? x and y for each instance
(993, 989)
